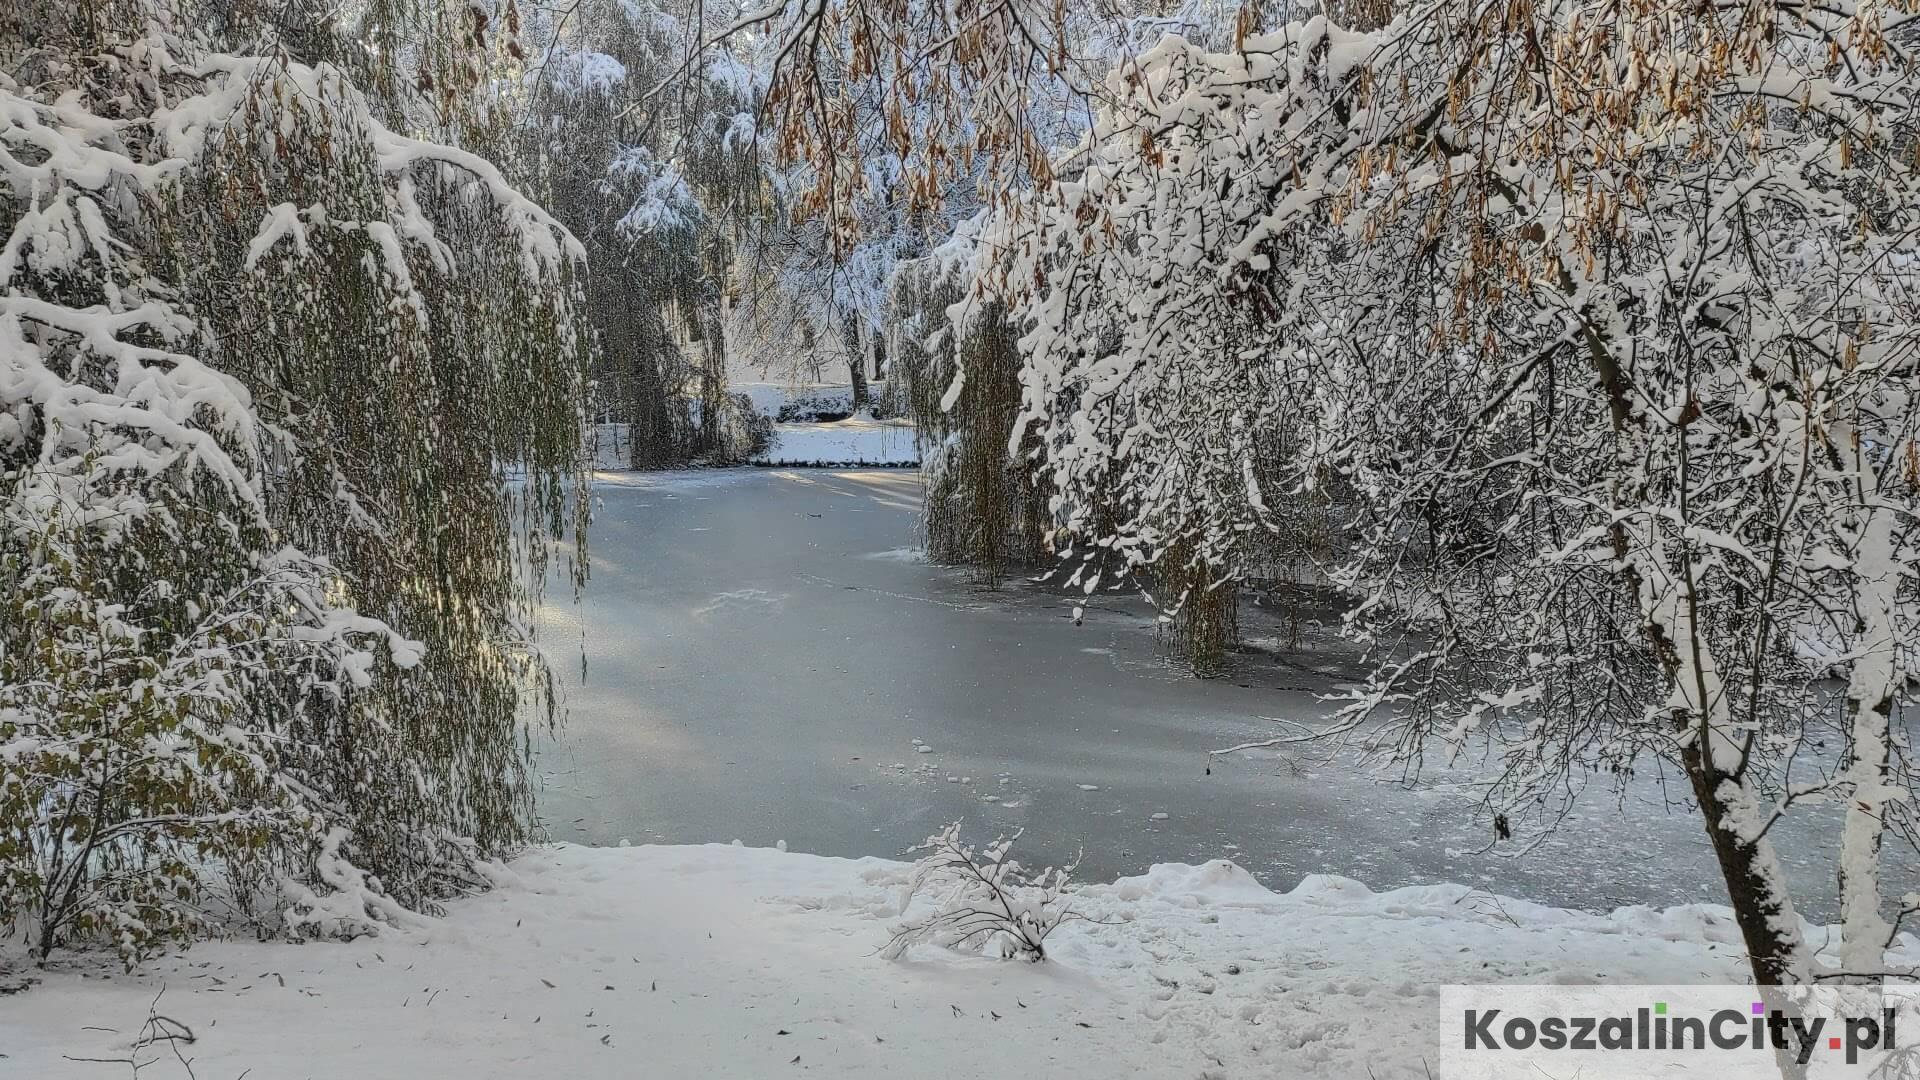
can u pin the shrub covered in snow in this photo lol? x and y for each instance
(752, 430)
(982, 900)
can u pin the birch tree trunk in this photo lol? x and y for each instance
(1872, 683)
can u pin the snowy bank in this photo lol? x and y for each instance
(725, 961)
(842, 442)
(800, 403)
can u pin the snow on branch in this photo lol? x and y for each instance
(1577, 347)
(982, 900)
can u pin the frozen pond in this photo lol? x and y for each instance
(762, 649)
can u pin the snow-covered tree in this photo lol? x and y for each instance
(842, 222)
(879, 147)
(1601, 317)
(290, 419)
(650, 158)
(955, 358)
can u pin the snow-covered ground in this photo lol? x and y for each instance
(842, 442)
(718, 961)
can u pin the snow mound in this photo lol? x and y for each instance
(1219, 881)
(1330, 889)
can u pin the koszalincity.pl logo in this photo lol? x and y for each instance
(1653, 1028)
(1702, 1032)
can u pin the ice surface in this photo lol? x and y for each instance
(704, 717)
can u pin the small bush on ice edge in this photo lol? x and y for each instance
(982, 899)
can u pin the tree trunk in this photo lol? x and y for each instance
(710, 320)
(1764, 913)
(650, 429)
(1865, 931)
(1872, 684)
(1756, 887)
(713, 376)
(856, 364)
(1715, 762)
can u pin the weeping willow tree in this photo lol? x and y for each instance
(990, 500)
(956, 362)
(648, 181)
(645, 377)
(989, 503)
(290, 429)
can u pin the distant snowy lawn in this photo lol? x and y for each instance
(714, 961)
(834, 442)
(842, 442)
